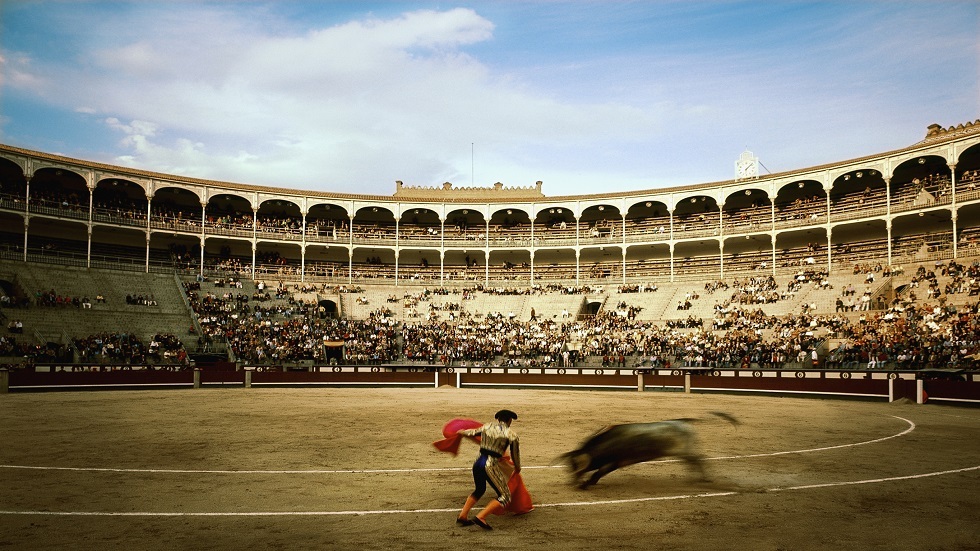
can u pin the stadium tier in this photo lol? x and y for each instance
(918, 203)
(835, 265)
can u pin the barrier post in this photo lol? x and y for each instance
(891, 390)
(687, 383)
(197, 377)
(640, 387)
(437, 378)
(459, 381)
(4, 380)
(248, 378)
(919, 391)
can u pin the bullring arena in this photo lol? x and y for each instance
(354, 468)
(193, 364)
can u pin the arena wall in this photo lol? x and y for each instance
(960, 388)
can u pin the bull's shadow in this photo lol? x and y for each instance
(653, 480)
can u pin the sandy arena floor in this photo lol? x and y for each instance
(218, 469)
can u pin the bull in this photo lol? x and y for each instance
(618, 446)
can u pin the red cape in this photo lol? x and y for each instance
(520, 501)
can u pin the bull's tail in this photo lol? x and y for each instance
(727, 417)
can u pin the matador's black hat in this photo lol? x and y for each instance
(505, 415)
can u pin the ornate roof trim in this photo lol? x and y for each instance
(936, 133)
(446, 191)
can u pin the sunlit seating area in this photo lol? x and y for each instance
(781, 266)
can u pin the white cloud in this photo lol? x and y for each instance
(16, 71)
(350, 107)
(237, 92)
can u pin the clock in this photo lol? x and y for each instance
(747, 166)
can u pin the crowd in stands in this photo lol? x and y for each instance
(911, 336)
(130, 205)
(942, 335)
(52, 299)
(140, 300)
(807, 209)
(273, 326)
(13, 301)
(289, 330)
(121, 348)
(639, 288)
(218, 217)
(755, 290)
(619, 340)
(705, 266)
(10, 346)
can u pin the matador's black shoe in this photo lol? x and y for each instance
(463, 522)
(482, 523)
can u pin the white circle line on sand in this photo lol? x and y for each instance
(910, 428)
(455, 509)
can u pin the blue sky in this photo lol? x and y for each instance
(587, 97)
